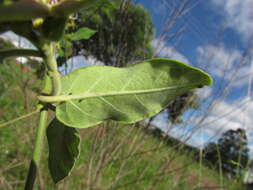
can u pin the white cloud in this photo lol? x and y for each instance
(226, 64)
(224, 116)
(238, 15)
(18, 41)
(250, 147)
(22, 59)
(78, 62)
(205, 92)
(217, 59)
(75, 63)
(93, 61)
(165, 51)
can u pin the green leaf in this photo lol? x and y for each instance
(61, 53)
(64, 150)
(82, 34)
(126, 95)
(66, 48)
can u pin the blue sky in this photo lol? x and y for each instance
(216, 36)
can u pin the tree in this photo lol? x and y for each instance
(176, 108)
(124, 33)
(230, 151)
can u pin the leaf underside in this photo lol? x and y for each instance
(153, 84)
(64, 150)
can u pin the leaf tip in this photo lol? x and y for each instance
(207, 79)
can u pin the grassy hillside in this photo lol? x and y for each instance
(113, 157)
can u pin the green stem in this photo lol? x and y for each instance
(19, 53)
(34, 165)
(51, 66)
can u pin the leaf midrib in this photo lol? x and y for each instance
(63, 98)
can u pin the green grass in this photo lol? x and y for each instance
(121, 157)
(112, 157)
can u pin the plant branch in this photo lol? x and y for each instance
(19, 53)
(19, 118)
(35, 162)
(55, 80)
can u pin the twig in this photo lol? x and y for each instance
(19, 118)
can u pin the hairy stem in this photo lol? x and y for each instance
(19, 53)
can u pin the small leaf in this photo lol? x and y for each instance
(82, 34)
(64, 148)
(61, 53)
(126, 95)
(67, 49)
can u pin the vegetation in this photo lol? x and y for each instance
(122, 157)
(182, 103)
(230, 153)
(114, 43)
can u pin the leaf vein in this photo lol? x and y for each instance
(79, 109)
(110, 104)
